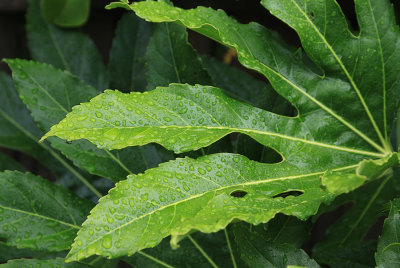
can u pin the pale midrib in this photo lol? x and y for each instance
(172, 54)
(245, 131)
(383, 72)
(40, 216)
(349, 77)
(341, 119)
(214, 190)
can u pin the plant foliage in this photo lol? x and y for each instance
(180, 134)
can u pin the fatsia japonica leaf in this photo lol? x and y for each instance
(387, 254)
(186, 194)
(65, 49)
(344, 117)
(126, 65)
(36, 214)
(255, 251)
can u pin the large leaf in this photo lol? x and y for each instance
(127, 54)
(338, 134)
(36, 214)
(170, 58)
(256, 251)
(387, 254)
(65, 49)
(50, 94)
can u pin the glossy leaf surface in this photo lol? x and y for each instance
(387, 254)
(36, 214)
(343, 118)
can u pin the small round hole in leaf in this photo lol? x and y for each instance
(238, 193)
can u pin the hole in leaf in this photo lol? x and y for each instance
(238, 193)
(312, 15)
(289, 193)
(255, 151)
(349, 10)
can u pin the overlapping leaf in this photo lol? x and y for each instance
(343, 117)
(36, 214)
(387, 254)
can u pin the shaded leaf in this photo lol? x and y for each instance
(59, 262)
(257, 252)
(187, 254)
(18, 130)
(367, 206)
(387, 254)
(38, 215)
(127, 54)
(170, 58)
(66, 13)
(242, 86)
(9, 253)
(65, 49)
(7, 163)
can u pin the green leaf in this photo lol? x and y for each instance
(126, 66)
(59, 263)
(285, 230)
(50, 94)
(18, 131)
(36, 214)
(7, 163)
(387, 254)
(242, 86)
(8, 253)
(187, 254)
(366, 208)
(186, 194)
(65, 49)
(258, 252)
(171, 59)
(66, 13)
(342, 120)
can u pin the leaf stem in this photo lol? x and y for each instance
(230, 248)
(54, 154)
(73, 171)
(160, 262)
(202, 252)
(118, 161)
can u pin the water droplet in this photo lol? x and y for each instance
(167, 119)
(202, 171)
(144, 197)
(98, 114)
(107, 242)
